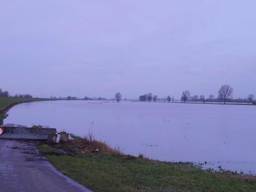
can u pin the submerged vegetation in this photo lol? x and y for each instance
(103, 169)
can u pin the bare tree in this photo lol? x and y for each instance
(251, 98)
(202, 98)
(149, 97)
(225, 93)
(169, 99)
(185, 96)
(146, 97)
(118, 97)
(155, 98)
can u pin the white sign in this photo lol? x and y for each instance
(1, 131)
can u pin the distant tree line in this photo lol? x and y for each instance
(71, 98)
(118, 97)
(148, 97)
(26, 96)
(6, 94)
(225, 94)
(94, 98)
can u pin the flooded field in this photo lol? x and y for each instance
(218, 135)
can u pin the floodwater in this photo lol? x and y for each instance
(221, 135)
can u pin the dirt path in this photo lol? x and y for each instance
(22, 169)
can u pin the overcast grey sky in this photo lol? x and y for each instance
(99, 47)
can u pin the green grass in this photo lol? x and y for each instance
(5, 101)
(119, 173)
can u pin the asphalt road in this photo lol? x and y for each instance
(23, 169)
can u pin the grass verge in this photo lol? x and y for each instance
(7, 102)
(105, 170)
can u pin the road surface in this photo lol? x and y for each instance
(23, 169)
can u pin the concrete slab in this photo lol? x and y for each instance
(26, 133)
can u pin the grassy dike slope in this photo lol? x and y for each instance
(94, 165)
(7, 102)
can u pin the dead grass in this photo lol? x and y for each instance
(97, 166)
(86, 145)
